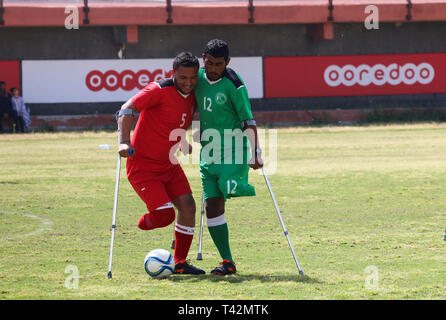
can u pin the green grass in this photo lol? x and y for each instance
(351, 198)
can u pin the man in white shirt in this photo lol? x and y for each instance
(19, 107)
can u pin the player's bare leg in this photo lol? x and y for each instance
(185, 205)
(214, 207)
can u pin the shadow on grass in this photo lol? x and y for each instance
(9, 182)
(242, 278)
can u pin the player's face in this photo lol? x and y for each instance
(185, 79)
(214, 66)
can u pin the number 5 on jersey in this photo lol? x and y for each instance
(207, 103)
(183, 119)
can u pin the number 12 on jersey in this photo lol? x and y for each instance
(229, 183)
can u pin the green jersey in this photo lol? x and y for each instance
(224, 156)
(223, 103)
(223, 106)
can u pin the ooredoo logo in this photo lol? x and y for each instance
(379, 74)
(128, 80)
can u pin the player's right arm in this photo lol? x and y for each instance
(147, 98)
(125, 123)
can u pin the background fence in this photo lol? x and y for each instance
(306, 60)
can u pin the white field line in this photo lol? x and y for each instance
(45, 225)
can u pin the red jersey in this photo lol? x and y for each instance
(163, 109)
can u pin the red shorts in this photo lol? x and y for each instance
(157, 188)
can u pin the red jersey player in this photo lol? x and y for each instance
(165, 106)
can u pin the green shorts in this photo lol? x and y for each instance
(226, 181)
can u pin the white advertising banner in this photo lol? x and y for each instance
(84, 81)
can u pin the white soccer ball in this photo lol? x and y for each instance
(159, 263)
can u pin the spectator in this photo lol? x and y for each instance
(5, 106)
(22, 120)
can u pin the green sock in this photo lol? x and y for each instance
(220, 236)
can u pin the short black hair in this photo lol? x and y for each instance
(185, 59)
(13, 89)
(217, 48)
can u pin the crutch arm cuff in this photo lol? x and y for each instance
(124, 112)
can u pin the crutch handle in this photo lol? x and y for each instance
(131, 152)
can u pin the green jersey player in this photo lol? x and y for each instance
(229, 143)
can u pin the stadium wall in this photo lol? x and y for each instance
(340, 42)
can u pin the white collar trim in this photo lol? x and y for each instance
(210, 81)
(183, 94)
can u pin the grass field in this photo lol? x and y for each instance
(365, 208)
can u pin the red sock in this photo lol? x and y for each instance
(157, 219)
(183, 240)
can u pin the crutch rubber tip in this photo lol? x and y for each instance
(199, 257)
(301, 272)
(109, 275)
(172, 246)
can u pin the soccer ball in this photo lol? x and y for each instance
(159, 263)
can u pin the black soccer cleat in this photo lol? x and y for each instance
(225, 268)
(186, 268)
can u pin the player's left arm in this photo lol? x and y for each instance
(242, 105)
(185, 146)
(250, 129)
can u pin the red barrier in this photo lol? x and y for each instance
(221, 12)
(10, 73)
(355, 75)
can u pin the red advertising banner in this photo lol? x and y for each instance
(359, 75)
(10, 73)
